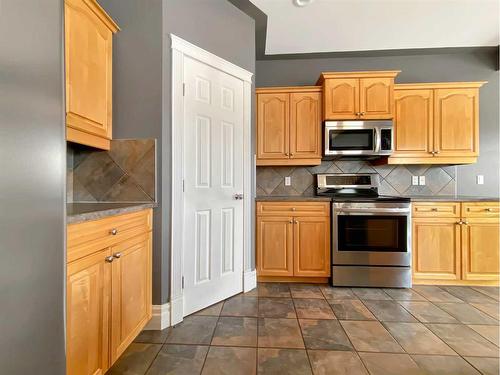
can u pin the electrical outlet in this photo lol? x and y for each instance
(480, 179)
(421, 180)
(288, 181)
(414, 180)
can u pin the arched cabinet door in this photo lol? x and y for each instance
(376, 98)
(305, 125)
(273, 125)
(341, 98)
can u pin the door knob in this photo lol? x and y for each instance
(238, 197)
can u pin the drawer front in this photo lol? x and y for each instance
(91, 236)
(481, 209)
(436, 209)
(293, 208)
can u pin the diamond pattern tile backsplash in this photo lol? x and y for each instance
(394, 179)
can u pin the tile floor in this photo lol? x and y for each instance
(308, 329)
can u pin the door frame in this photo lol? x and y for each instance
(179, 49)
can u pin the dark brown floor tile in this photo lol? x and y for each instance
(324, 334)
(230, 361)
(487, 366)
(240, 305)
(351, 310)
(389, 311)
(390, 364)
(179, 360)
(311, 308)
(235, 331)
(193, 330)
(279, 333)
(492, 309)
(435, 293)
(305, 291)
(488, 332)
(444, 365)
(335, 293)
(135, 360)
(402, 294)
(273, 290)
(464, 340)
(427, 312)
(490, 291)
(467, 294)
(282, 361)
(370, 336)
(371, 294)
(213, 310)
(415, 338)
(276, 308)
(466, 313)
(153, 336)
(326, 362)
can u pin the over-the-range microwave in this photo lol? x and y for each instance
(363, 138)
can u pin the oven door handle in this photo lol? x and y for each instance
(369, 211)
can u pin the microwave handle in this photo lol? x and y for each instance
(377, 139)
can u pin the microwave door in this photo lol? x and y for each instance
(350, 141)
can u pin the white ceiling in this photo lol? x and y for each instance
(361, 25)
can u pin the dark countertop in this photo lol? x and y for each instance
(291, 198)
(79, 212)
(417, 198)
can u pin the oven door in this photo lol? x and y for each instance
(371, 234)
(351, 140)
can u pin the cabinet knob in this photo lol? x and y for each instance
(434, 209)
(362, 113)
(488, 209)
(293, 208)
(295, 222)
(291, 154)
(109, 259)
(465, 222)
(286, 153)
(113, 231)
(117, 255)
(460, 222)
(291, 221)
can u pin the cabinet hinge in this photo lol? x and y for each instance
(183, 186)
(182, 282)
(183, 89)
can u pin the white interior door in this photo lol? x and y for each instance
(213, 177)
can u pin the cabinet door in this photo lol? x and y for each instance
(311, 237)
(305, 125)
(87, 308)
(131, 291)
(436, 248)
(480, 249)
(413, 123)
(376, 98)
(88, 53)
(273, 126)
(456, 122)
(275, 246)
(341, 101)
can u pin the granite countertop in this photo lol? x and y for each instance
(79, 212)
(414, 198)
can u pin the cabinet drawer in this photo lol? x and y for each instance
(480, 209)
(436, 209)
(91, 236)
(293, 208)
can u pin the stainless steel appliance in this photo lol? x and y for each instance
(371, 233)
(362, 138)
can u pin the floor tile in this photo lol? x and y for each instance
(389, 311)
(135, 360)
(492, 309)
(490, 291)
(390, 364)
(466, 313)
(193, 330)
(324, 334)
(467, 294)
(235, 331)
(404, 294)
(415, 338)
(435, 293)
(273, 290)
(464, 340)
(310, 308)
(279, 333)
(370, 336)
(179, 360)
(371, 294)
(326, 362)
(305, 291)
(427, 312)
(230, 361)
(488, 332)
(276, 308)
(153, 336)
(282, 361)
(350, 310)
(213, 310)
(336, 293)
(240, 305)
(444, 365)
(487, 366)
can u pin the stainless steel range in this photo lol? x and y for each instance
(371, 233)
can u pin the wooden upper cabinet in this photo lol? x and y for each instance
(311, 246)
(341, 98)
(274, 246)
(273, 111)
(305, 125)
(376, 98)
(88, 56)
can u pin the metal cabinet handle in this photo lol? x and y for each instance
(437, 152)
(117, 255)
(460, 222)
(295, 222)
(113, 231)
(465, 222)
(109, 259)
(286, 153)
(434, 209)
(291, 154)
(293, 208)
(488, 209)
(291, 221)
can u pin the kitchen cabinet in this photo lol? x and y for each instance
(289, 126)
(108, 289)
(456, 242)
(358, 95)
(293, 241)
(88, 59)
(436, 123)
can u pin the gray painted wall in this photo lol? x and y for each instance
(32, 183)
(461, 65)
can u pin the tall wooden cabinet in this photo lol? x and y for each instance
(289, 126)
(88, 56)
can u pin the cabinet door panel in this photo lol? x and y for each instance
(436, 249)
(273, 126)
(341, 101)
(275, 246)
(305, 125)
(311, 246)
(376, 99)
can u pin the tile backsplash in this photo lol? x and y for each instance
(394, 179)
(125, 173)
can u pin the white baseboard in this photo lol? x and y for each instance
(249, 280)
(177, 310)
(160, 319)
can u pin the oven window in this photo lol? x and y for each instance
(372, 233)
(344, 140)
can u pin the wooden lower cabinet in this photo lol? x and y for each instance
(275, 246)
(311, 246)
